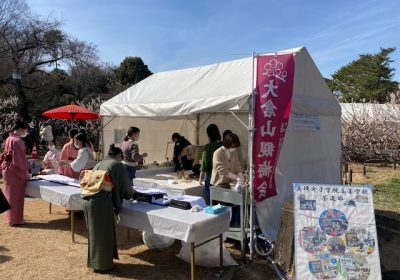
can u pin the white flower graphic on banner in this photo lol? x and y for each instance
(266, 149)
(274, 68)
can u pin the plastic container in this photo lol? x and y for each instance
(216, 209)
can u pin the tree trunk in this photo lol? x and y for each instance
(23, 103)
(284, 245)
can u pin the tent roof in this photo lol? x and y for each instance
(211, 88)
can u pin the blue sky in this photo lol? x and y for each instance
(173, 34)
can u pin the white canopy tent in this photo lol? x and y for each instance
(187, 100)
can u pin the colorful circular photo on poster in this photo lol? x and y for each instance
(333, 222)
(360, 240)
(336, 246)
(323, 266)
(354, 266)
(312, 239)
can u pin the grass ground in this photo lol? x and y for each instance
(386, 182)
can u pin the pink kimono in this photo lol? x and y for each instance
(68, 152)
(14, 175)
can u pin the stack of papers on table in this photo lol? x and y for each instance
(56, 178)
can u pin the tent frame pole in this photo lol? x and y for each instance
(239, 120)
(250, 157)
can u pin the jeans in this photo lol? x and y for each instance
(131, 171)
(207, 180)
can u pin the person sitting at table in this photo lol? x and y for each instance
(69, 152)
(99, 210)
(51, 159)
(85, 159)
(226, 163)
(181, 161)
(130, 150)
(207, 158)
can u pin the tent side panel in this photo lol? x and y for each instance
(154, 134)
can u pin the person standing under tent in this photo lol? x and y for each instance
(15, 168)
(84, 159)
(227, 169)
(99, 210)
(130, 151)
(69, 152)
(181, 162)
(207, 158)
(226, 163)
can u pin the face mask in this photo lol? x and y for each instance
(52, 147)
(232, 149)
(76, 147)
(24, 134)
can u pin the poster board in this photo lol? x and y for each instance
(335, 232)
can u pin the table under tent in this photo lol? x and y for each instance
(188, 100)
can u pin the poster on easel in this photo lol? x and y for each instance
(335, 232)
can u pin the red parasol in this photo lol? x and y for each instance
(71, 112)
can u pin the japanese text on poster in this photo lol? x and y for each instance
(335, 232)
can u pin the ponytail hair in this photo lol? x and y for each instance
(131, 130)
(114, 151)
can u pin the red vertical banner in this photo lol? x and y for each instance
(272, 102)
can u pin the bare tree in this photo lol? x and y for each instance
(28, 43)
(370, 131)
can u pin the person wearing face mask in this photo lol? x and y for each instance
(130, 151)
(51, 159)
(15, 170)
(85, 159)
(69, 152)
(226, 164)
(99, 210)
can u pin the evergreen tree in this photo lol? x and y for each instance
(131, 71)
(367, 79)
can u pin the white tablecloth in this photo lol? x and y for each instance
(172, 222)
(154, 171)
(161, 181)
(58, 194)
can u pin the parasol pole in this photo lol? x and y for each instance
(72, 119)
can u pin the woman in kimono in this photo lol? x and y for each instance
(85, 159)
(15, 169)
(69, 152)
(99, 210)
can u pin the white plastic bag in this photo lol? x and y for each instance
(207, 255)
(156, 241)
